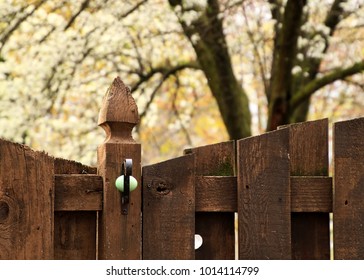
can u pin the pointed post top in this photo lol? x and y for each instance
(119, 112)
(118, 105)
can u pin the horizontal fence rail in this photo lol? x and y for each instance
(308, 194)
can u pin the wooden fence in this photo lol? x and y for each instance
(278, 184)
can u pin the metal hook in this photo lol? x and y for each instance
(126, 170)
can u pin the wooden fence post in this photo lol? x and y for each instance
(264, 201)
(119, 235)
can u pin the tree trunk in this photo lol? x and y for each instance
(280, 90)
(208, 40)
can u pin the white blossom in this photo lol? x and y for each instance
(302, 42)
(190, 16)
(195, 38)
(296, 69)
(239, 19)
(300, 56)
(322, 28)
(55, 19)
(194, 4)
(177, 9)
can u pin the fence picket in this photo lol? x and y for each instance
(215, 228)
(169, 209)
(264, 208)
(309, 157)
(74, 231)
(349, 189)
(26, 203)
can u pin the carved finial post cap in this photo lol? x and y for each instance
(118, 105)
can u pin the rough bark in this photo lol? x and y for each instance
(208, 40)
(284, 55)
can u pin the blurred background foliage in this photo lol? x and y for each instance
(57, 59)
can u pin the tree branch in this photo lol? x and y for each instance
(137, 5)
(83, 7)
(275, 7)
(334, 15)
(178, 115)
(260, 60)
(6, 35)
(354, 83)
(333, 18)
(338, 74)
(165, 71)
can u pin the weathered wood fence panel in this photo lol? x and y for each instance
(214, 225)
(26, 203)
(75, 235)
(277, 182)
(309, 157)
(169, 209)
(349, 189)
(264, 202)
(77, 191)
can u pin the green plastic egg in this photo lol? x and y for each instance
(119, 183)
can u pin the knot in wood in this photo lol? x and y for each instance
(4, 211)
(9, 210)
(160, 187)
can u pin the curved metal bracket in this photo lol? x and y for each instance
(126, 170)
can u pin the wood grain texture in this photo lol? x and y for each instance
(216, 194)
(311, 194)
(309, 157)
(119, 235)
(264, 197)
(309, 148)
(65, 166)
(74, 231)
(169, 209)
(215, 160)
(349, 189)
(26, 203)
(75, 236)
(118, 106)
(78, 192)
(308, 194)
